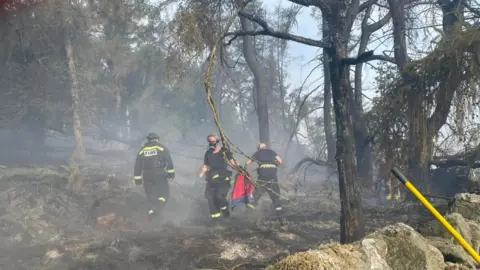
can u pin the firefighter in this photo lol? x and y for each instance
(267, 181)
(218, 177)
(153, 169)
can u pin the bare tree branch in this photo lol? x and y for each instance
(366, 4)
(379, 24)
(471, 9)
(366, 57)
(268, 31)
(324, 5)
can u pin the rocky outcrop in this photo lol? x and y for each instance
(393, 247)
(467, 205)
(463, 215)
(401, 247)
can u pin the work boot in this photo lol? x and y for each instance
(281, 215)
(225, 212)
(151, 215)
(216, 223)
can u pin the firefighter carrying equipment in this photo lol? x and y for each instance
(218, 182)
(243, 191)
(267, 179)
(153, 168)
(216, 195)
(267, 163)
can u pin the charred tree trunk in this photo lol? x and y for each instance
(79, 152)
(397, 10)
(327, 100)
(362, 143)
(111, 30)
(260, 83)
(352, 224)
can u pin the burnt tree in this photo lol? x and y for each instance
(260, 82)
(362, 135)
(327, 100)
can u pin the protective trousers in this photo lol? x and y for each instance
(157, 190)
(271, 186)
(216, 192)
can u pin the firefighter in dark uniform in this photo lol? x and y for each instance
(267, 181)
(153, 169)
(218, 177)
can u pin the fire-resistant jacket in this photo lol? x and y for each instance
(153, 159)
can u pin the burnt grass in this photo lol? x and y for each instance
(185, 239)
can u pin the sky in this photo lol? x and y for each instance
(301, 64)
(306, 26)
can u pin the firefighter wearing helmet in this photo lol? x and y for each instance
(218, 177)
(153, 168)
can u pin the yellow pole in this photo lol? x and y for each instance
(401, 177)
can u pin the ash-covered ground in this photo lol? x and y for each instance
(102, 225)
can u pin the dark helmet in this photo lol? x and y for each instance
(152, 136)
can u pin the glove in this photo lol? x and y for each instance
(171, 175)
(138, 180)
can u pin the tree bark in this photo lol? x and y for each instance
(362, 145)
(260, 83)
(327, 100)
(362, 134)
(79, 152)
(352, 223)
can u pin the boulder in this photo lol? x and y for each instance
(466, 204)
(393, 247)
(331, 256)
(453, 253)
(444, 241)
